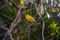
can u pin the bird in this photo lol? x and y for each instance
(30, 18)
(21, 1)
(32, 21)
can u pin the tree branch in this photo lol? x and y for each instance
(14, 4)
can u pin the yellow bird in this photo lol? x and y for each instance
(21, 1)
(30, 18)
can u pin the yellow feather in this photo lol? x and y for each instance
(30, 18)
(21, 1)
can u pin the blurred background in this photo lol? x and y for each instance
(43, 22)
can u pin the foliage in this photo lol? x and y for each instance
(25, 20)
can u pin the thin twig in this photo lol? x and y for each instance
(6, 16)
(14, 24)
(14, 4)
(17, 20)
(41, 19)
(4, 27)
(5, 4)
(5, 37)
(43, 30)
(11, 37)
